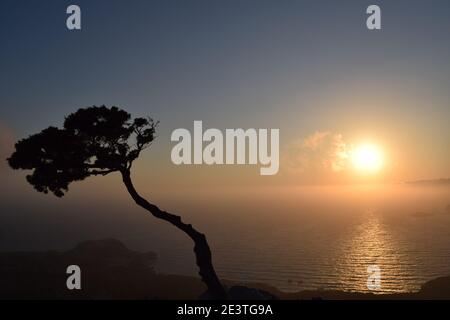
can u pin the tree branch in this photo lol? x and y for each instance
(102, 172)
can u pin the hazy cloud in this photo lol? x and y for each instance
(320, 152)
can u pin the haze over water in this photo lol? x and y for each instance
(315, 238)
(291, 237)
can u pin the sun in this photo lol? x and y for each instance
(367, 158)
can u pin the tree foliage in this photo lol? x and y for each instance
(93, 141)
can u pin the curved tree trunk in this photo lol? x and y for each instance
(201, 247)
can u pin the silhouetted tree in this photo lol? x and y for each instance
(99, 141)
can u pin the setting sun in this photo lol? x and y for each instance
(367, 158)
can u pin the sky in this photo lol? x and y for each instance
(310, 68)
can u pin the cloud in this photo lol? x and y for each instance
(319, 153)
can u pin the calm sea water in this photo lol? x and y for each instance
(316, 238)
(293, 238)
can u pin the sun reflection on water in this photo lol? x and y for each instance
(371, 243)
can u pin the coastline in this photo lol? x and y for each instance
(112, 271)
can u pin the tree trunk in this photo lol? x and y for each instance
(201, 247)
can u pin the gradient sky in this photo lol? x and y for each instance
(309, 68)
(305, 67)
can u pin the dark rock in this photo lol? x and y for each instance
(246, 293)
(243, 293)
(438, 288)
